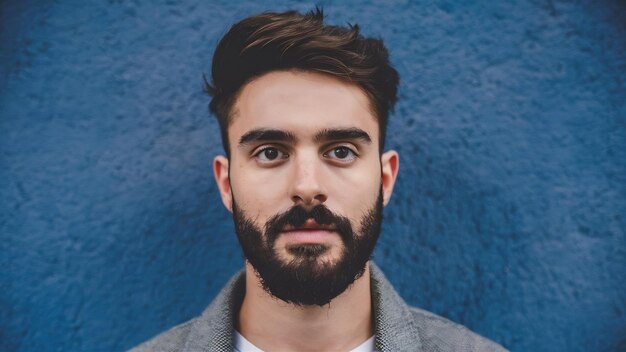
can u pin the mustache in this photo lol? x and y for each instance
(297, 215)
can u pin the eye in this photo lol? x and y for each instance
(270, 154)
(341, 154)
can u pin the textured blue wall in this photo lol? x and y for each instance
(509, 215)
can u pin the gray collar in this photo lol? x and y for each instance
(394, 326)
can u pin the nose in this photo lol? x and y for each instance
(307, 189)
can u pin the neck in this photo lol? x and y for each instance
(272, 324)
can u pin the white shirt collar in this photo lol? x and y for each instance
(243, 345)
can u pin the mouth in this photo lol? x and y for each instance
(308, 233)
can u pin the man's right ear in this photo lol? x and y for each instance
(220, 171)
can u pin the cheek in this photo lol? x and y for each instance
(353, 192)
(258, 194)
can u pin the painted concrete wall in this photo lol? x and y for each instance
(509, 215)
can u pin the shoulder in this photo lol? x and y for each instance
(169, 341)
(400, 327)
(441, 334)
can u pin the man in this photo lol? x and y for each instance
(303, 108)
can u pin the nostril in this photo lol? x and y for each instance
(297, 199)
(303, 200)
(321, 198)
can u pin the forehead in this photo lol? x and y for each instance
(301, 102)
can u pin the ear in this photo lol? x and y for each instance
(390, 162)
(220, 171)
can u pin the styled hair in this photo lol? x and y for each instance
(293, 41)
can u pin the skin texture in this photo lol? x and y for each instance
(269, 176)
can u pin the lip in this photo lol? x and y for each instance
(309, 232)
(304, 236)
(309, 225)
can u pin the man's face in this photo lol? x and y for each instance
(306, 182)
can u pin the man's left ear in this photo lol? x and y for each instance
(390, 162)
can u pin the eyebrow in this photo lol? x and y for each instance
(324, 135)
(262, 134)
(342, 133)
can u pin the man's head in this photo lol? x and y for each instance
(303, 108)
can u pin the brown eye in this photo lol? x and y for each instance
(341, 152)
(270, 154)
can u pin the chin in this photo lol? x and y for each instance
(312, 252)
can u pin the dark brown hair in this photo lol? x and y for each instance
(291, 40)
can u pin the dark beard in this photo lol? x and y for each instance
(305, 280)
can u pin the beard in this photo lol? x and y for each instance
(306, 279)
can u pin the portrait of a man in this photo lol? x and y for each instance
(303, 109)
(355, 175)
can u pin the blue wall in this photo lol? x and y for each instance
(509, 215)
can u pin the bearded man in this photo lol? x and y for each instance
(303, 108)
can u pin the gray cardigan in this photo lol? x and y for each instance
(398, 327)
